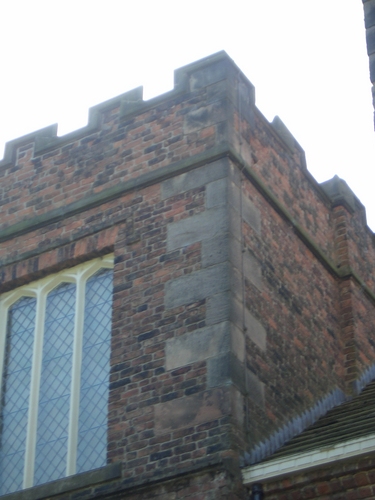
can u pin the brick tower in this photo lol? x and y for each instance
(179, 296)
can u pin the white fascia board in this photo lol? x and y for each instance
(302, 462)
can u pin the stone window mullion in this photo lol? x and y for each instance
(28, 480)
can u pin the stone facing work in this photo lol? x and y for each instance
(243, 290)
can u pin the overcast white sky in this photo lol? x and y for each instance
(307, 60)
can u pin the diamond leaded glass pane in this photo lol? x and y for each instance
(92, 439)
(55, 385)
(55, 388)
(16, 391)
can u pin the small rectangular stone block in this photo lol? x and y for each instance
(251, 214)
(236, 283)
(207, 224)
(215, 250)
(194, 178)
(197, 286)
(191, 410)
(255, 330)
(238, 406)
(369, 8)
(236, 313)
(234, 223)
(216, 193)
(235, 253)
(237, 339)
(217, 91)
(235, 174)
(255, 389)
(370, 39)
(234, 310)
(207, 76)
(197, 346)
(234, 196)
(205, 116)
(246, 101)
(283, 132)
(372, 67)
(217, 308)
(252, 269)
(224, 370)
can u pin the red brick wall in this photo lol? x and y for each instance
(298, 305)
(348, 480)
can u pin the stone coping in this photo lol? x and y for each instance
(68, 484)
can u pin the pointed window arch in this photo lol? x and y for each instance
(54, 375)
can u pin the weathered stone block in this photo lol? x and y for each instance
(237, 340)
(236, 283)
(245, 100)
(209, 75)
(339, 192)
(204, 116)
(215, 250)
(370, 39)
(194, 178)
(198, 227)
(216, 193)
(372, 68)
(191, 410)
(217, 91)
(255, 330)
(197, 286)
(225, 370)
(242, 318)
(197, 346)
(237, 406)
(283, 132)
(234, 223)
(235, 252)
(252, 269)
(237, 315)
(255, 389)
(369, 8)
(235, 174)
(217, 309)
(234, 196)
(251, 214)
(245, 264)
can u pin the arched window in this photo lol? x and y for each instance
(54, 370)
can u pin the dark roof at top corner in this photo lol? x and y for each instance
(350, 420)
